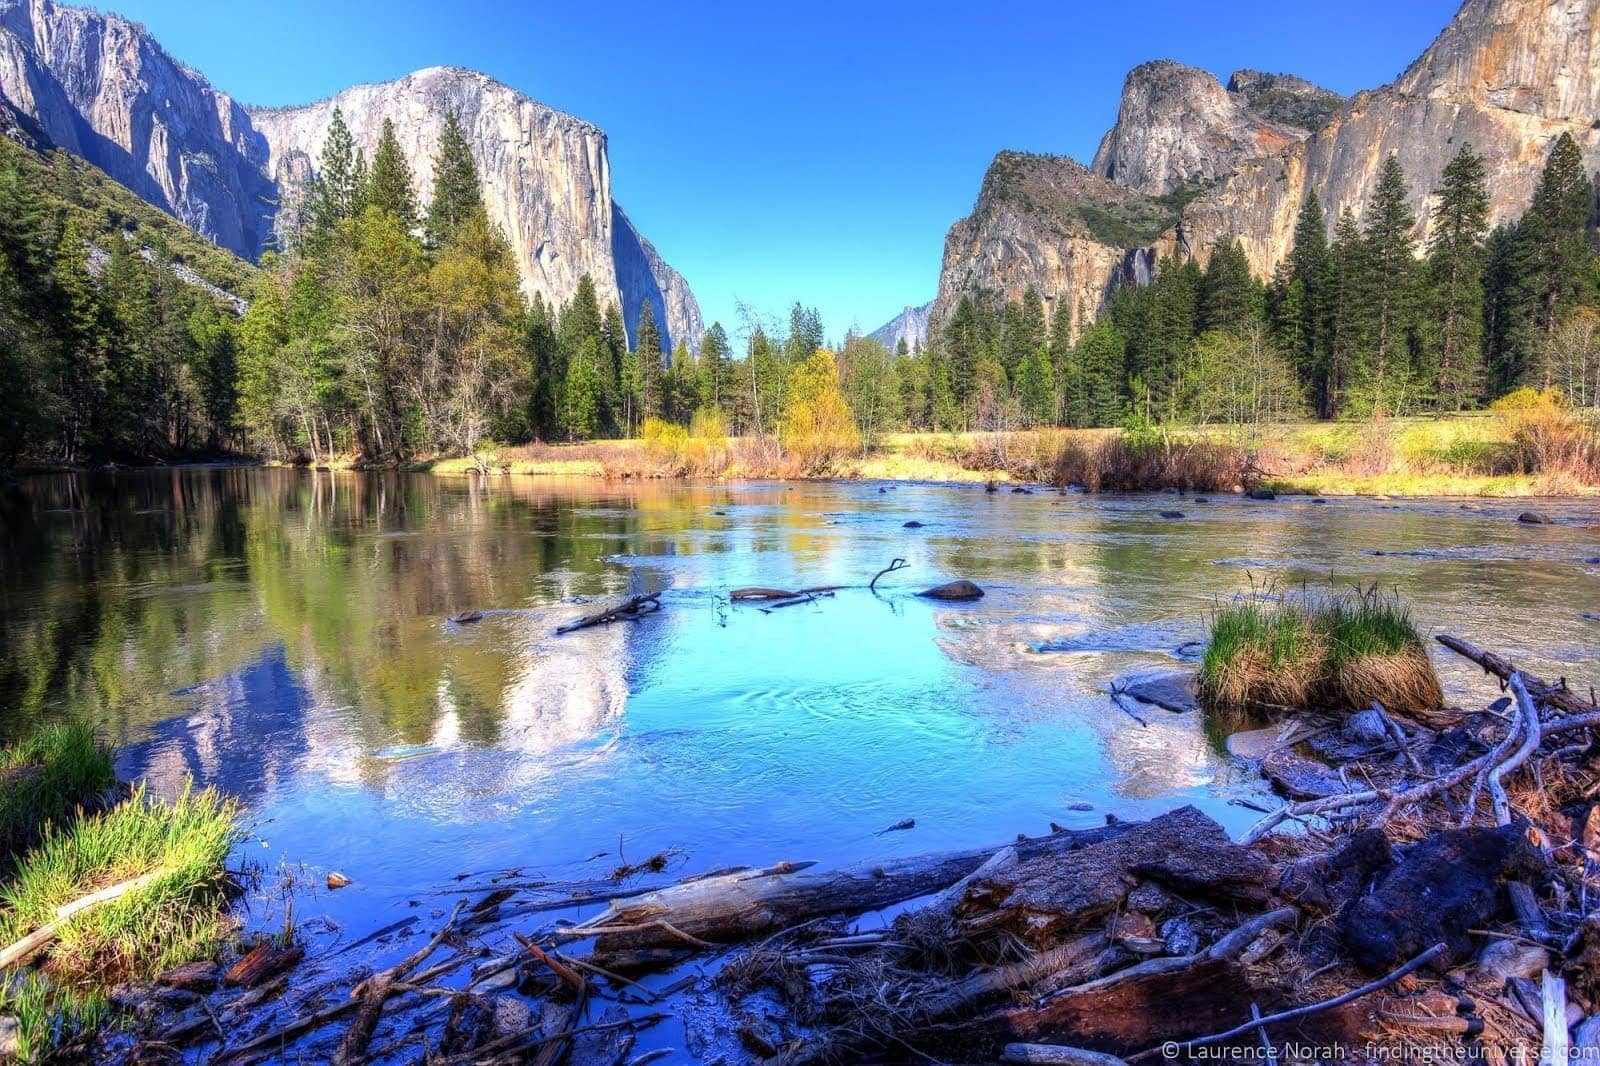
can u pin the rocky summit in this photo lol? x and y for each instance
(104, 89)
(1190, 162)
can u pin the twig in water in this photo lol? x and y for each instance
(894, 564)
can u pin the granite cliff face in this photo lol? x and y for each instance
(1049, 222)
(1178, 130)
(1508, 76)
(910, 325)
(546, 180)
(102, 88)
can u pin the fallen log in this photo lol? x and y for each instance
(759, 594)
(1557, 695)
(1057, 1055)
(1170, 1052)
(45, 935)
(738, 906)
(631, 610)
(374, 992)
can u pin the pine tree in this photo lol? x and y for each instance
(1386, 373)
(1099, 357)
(333, 194)
(1455, 266)
(713, 368)
(389, 184)
(1060, 344)
(584, 392)
(648, 354)
(1349, 309)
(1554, 260)
(1307, 286)
(456, 195)
(1036, 387)
(1230, 298)
(546, 369)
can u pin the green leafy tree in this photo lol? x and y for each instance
(1036, 388)
(649, 356)
(333, 193)
(1386, 373)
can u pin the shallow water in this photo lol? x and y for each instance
(282, 636)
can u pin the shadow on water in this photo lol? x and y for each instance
(281, 635)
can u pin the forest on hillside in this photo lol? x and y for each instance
(388, 330)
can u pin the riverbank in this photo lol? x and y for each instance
(1483, 454)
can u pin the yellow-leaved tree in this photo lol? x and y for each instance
(817, 425)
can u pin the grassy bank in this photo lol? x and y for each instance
(99, 886)
(1527, 446)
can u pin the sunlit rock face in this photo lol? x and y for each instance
(1049, 222)
(103, 88)
(1506, 76)
(545, 175)
(910, 326)
(1178, 129)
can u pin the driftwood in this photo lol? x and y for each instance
(632, 609)
(1258, 1022)
(758, 594)
(374, 992)
(1557, 695)
(737, 906)
(45, 935)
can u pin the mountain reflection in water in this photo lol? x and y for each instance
(282, 635)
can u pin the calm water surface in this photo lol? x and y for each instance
(282, 636)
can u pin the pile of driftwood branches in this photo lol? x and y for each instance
(1441, 895)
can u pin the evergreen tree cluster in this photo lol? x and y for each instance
(389, 329)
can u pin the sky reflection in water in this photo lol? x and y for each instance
(282, 635)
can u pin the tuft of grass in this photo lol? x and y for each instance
(1339, 650)
(179, 917)
(44, 779)
(50, 1025)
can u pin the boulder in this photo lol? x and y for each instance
(953, 590)
(1171, 691)
(1534, 518)
(1299, 778)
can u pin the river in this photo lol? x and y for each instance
(282, 635)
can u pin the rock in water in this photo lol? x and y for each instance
(953, 590)
(1171, 691)
(1534, 518)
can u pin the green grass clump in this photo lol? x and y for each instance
(49, 1024)
(44, 780)
(179, 917)
(1338, 650)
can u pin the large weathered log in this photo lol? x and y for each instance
(42, 937)
(1557, 695)
(746, 904)
(1183, 850)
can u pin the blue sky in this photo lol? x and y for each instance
(778, 152)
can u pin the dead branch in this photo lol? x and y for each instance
(30, 945)
(1171, 1051)
(375, 991)
(631, 610)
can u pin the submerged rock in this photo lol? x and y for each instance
(913, 524)
(1300, 778)
(1263, 494)
(953, 590)
(1172, 691)
(1171, 514)
(1534, 518)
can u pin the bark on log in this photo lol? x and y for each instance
(1557, 696)
(742, 905)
